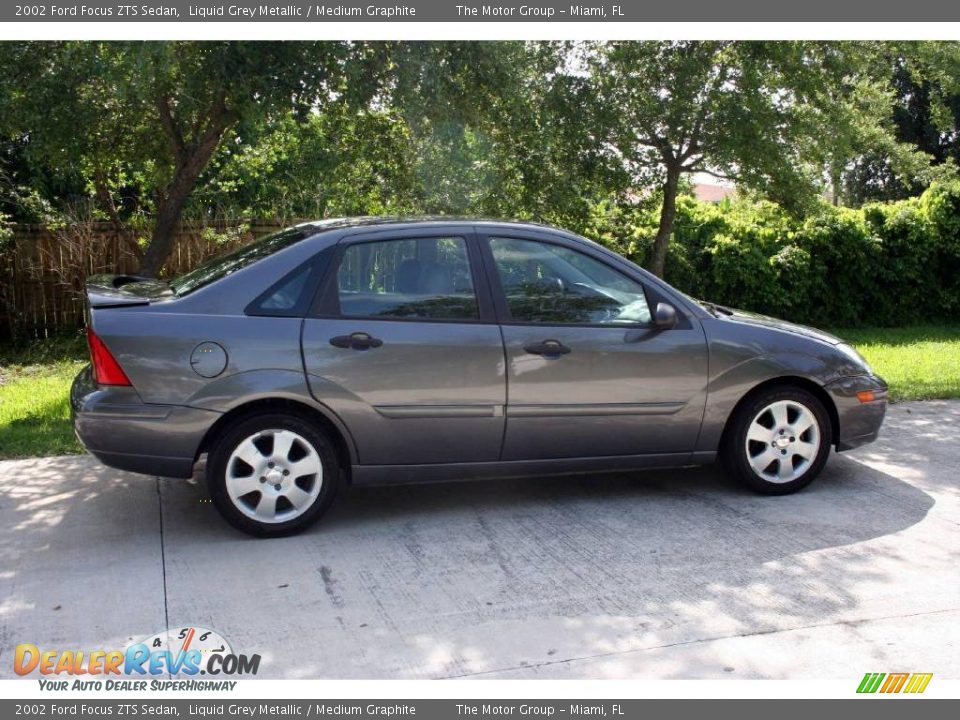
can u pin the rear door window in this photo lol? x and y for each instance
(419, 278)
(407, 279)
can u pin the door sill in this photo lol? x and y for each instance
(444, 472)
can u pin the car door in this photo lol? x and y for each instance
(588, 374)
(404, 347)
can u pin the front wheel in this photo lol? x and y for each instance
(779, 441)
(272, 474)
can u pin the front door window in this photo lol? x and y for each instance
(552, 284)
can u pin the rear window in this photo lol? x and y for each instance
(220, 267)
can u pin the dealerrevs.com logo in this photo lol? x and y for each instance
(181, 652)
(888, 683)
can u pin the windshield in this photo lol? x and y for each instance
(220, 267)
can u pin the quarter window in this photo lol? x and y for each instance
(546, 283)
(405, 279)
(287, 295)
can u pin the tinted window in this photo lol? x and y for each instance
(220, 267)
(422, 278)
(287, 295)
(552, 284)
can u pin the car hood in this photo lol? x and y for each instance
(749, 318)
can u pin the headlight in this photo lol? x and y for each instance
(855, 357)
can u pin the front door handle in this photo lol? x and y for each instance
(356, 341)
(548, 348)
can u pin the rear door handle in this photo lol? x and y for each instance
(356, 341)
(548, 348)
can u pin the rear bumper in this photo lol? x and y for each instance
(125, 433)
(859, 421)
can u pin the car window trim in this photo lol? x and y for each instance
(326, 304)
(502, 306)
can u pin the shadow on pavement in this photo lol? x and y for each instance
(461, 578)
(482, 577)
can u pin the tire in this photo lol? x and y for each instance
(273, 474)
(786, 456)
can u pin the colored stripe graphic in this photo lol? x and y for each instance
(870, 682)
(894, 682)
(918, 682)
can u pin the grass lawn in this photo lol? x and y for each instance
(34, 389)
(920, 363)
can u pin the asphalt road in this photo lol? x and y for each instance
(677, 574)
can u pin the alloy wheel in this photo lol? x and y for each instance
(782, 441)
(274, 476)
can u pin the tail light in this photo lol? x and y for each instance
(106, 369)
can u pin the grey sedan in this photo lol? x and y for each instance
(385, 351)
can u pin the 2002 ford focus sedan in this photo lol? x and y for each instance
(379, 350)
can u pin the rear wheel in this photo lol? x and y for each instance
(272, 474)
(779, 441)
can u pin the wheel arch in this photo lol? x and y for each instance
(338, 434)
(788, 381)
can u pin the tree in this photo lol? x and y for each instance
(155, 114)
(497, 129)
(924, 112)
(754, 112)
(335, 162)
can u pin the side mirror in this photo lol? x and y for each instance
(665, 316)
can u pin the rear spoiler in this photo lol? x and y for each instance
(105, 291)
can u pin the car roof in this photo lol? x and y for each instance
(372, 221)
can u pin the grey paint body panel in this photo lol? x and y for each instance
(137, 436)
(608, 396)
(444, 400)
(389, 396)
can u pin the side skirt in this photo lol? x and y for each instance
(407, 474)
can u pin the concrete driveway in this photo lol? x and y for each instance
(677, 574)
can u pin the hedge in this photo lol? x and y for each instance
(883, 264)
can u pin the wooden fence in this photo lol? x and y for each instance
(42, 273)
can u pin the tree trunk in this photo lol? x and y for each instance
(174, 200)
(661, 243)
(836, 182)
(164, 233)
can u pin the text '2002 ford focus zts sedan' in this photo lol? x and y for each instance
(378, 350)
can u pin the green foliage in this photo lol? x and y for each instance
(924, 95)
(228, 238)
(884, 264)
(754, 111)
(575, 134)
(6, 234)
(140, 122)
(336, 162)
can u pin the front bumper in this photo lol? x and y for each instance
(123, 432)
(859, 422)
